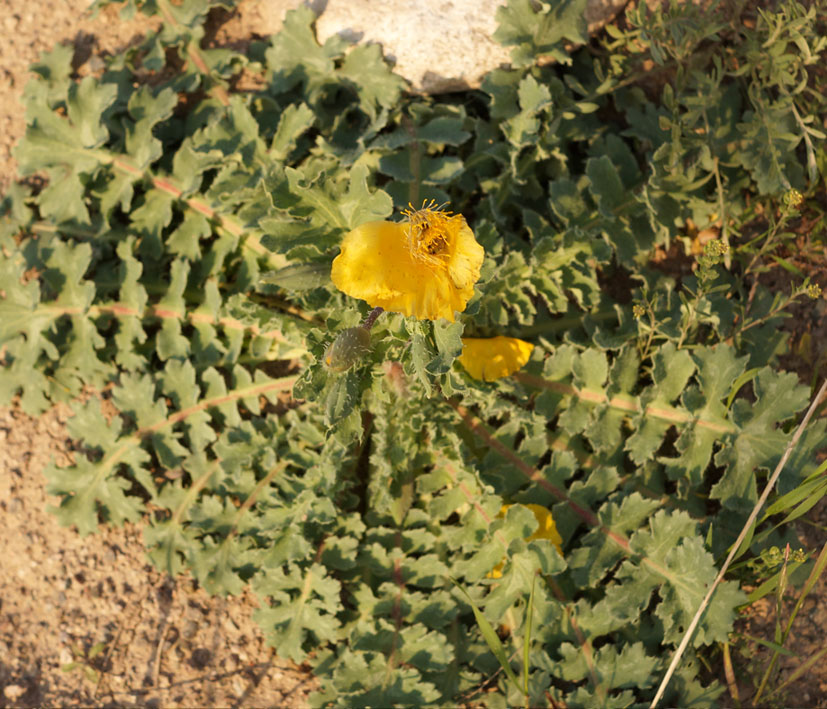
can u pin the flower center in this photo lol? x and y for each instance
(432, 241)
(429, 233)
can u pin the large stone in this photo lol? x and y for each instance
(437, 45)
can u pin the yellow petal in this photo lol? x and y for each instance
(426, 267)
(491, 358)
(546, 529)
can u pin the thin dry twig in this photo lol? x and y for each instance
(732, 685)
(737, 545)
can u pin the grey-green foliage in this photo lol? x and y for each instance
(176, 257)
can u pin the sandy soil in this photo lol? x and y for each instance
(163, 642)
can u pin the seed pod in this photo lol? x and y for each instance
(347, 349)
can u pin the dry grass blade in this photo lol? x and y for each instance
(732, 685)
(737, 545)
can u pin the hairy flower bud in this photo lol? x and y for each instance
(347, 349)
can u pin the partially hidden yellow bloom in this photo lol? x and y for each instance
(426, 266)
(490, 358)
(546, 529)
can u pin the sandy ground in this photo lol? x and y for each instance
(165, 643)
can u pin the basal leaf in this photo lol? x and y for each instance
(359, 205)
(376, 85)
(300, 608)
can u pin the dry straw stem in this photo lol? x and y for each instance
(737, 545)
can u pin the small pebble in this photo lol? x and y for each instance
(238, 686)
(13, 692)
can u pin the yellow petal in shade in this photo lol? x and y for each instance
(546, 529)
(491, 358)
(425, 267)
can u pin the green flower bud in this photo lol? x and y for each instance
(347, 349)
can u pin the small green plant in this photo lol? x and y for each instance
(86, 662)
(171, 251)
(767, 687)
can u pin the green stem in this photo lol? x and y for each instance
(128, 443)
(564, 323)
(720, 190)
(123, 310)
(818, 569)
(628, 404)
(249, 238)
(414, 162)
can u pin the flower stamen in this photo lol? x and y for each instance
(425, 266)
(428, 233)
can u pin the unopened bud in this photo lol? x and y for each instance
(347, 349)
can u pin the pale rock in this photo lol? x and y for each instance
(238, 686)
(437, 45)
(13, 692)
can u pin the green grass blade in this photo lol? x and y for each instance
(801, 491)
(775, 647)
(818, 569)
(527, 636)
(799, 671)
(491, 638)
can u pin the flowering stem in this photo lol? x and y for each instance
(371, 318)
(414, 161)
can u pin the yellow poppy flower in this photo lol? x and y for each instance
(546, 529)
(426, 266)
(490, 358)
